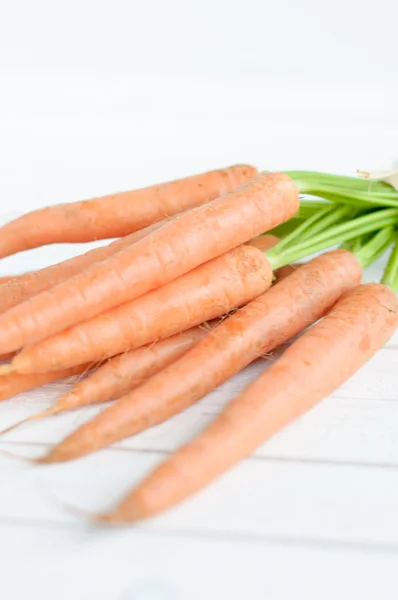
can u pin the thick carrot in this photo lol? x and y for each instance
(285, 310)
(119, 214)
(20, 288)
(14, 383)
(207, 292)
(181, 245)
(313, 367)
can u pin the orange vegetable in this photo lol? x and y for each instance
(14, 383)
(119, 214)
(124, 372)
(264, 243)
(207, 292)
(276, 316)
(181, 245)
(6, 279)
(310, 369)
(20, 288)
(117, 376)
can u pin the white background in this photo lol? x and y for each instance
(99, 96)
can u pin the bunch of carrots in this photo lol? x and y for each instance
(206, 275)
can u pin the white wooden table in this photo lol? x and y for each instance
(313, 514)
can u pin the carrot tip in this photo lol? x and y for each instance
(6, 369)
(47, 459)
(105, 518)
(25, 459)
(41, 415)
(111, 519)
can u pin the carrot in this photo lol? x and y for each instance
(268, 321)
(18, 289)
(118, 375)
(127, 371)
(313, 367)
(124, 372)
(119, 214)
(264, 243)
(207, 292)
(6, 279)
(14, 383)
(181, 245)
(7, 357)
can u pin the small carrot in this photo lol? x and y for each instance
(181, 245)
(14, 383)
(117, 215)
(207, 292)
(310, 369)
(19, 288)
(115, 377)
(268, 321)
(124, 372)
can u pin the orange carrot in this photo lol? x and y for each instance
(119, 214)
(126, 371)
(118, 375)
(207, 292)
(181, 245)
(22, 287)
(313, 367)
(264, 243)
(7, 357)
(6, 279)
(281, 313)
(14, 383)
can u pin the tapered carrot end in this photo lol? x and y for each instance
(24, 459)
(128, 512)
(47, 459)
(113, 519)
(105, 519)
(20, 364)
(7, 369)
(41, 415)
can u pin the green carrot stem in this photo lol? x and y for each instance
(300, 230)
(357, 243)
(316, 224)
(375, 247)
(345, 190)
(331, 237)
(284, 228)
(353, 198)
(390, 275)
(306, 180)
(308, 208)
(349, 245)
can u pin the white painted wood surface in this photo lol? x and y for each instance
(313, 514)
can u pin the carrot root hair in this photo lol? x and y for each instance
(48, 412)
(14, 456)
